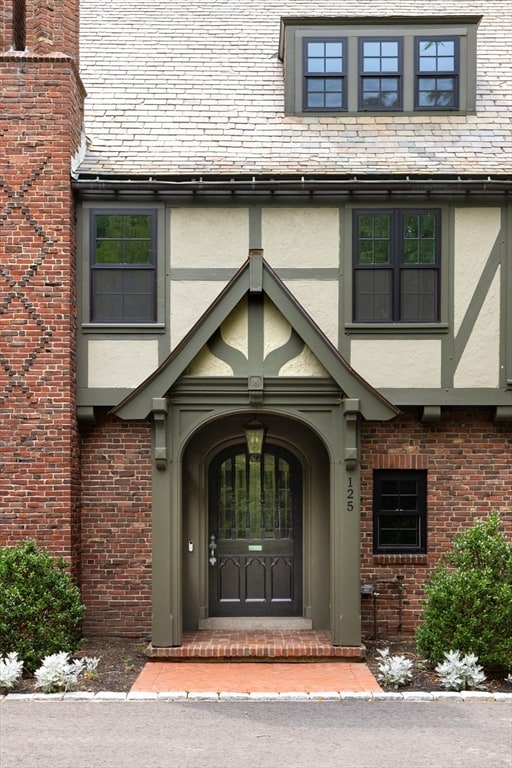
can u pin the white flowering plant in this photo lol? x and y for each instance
(91, 666)
(460, 673)
(11, 669)
(60, 673)
(393, 671)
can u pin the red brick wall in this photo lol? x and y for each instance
(40, 128)
(467, 458)
(6, 24)
(53, 27)
(116, 528)
(465, 455)
(49, 27)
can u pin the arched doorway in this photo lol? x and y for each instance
(255, 533)
(290, 447)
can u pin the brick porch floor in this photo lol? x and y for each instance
(256, 661)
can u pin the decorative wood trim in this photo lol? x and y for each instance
(160, 409)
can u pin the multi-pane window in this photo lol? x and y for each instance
(324, 74)
(437, 67)
(399, 511)
(396, 266)
(123, 266)
(382, 65)
(255, 496)
(381, 74)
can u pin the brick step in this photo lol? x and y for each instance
(257, 645)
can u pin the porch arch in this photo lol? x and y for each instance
(321, 434)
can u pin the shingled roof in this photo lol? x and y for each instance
(189, 88)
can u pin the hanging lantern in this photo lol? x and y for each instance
(254, 435)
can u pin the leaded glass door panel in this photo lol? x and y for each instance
(255, 520)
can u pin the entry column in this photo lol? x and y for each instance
(345, 530)
(166, 533)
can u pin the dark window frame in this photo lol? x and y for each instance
(310, 76)
(396, 267)
(454, 74)
(365, 76)
(383, 516)
(124, 268)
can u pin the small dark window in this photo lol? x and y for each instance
(325, 74)
(380, 62)
(123, 267)
(18, 25)
(399, 511)
(437, 73)
(396, 266)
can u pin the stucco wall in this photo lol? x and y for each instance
(311, 249)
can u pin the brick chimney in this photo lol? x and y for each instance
(41, 115)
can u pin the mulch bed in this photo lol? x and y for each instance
(424, 677)
(121, 660)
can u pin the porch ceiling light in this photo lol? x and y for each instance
(254, 435)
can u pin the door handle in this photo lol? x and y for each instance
(212, 547)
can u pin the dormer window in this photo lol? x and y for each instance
(324, 74)
(437, 73)
(380, 61)
(379, 65)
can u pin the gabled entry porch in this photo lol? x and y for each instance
(238, 537)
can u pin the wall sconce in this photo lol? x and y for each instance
(254, 435)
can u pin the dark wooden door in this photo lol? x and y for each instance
(255, 530)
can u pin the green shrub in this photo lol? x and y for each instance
(40, 607)
(468, 605)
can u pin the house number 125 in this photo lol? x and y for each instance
(350, 495)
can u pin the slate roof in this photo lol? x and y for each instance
(188, 88)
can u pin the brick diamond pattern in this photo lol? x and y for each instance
(24, 331)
